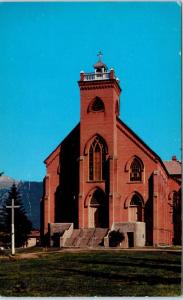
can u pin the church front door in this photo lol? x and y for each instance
(98, 210)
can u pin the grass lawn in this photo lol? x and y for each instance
(93, 273)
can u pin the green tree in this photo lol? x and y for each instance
(23, 225)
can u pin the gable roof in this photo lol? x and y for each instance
(173, 167)
(154, 155)
(59, 146)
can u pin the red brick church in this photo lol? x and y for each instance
(102, 177)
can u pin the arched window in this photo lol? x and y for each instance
(97, 157)
(136, 170)
(97, 198)
(96, 105)
(136, 211)
(135, 201)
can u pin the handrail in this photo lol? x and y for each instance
(96, 76)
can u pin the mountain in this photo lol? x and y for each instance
(31, 193)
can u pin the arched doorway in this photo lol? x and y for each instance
(98, 210)
(136, 212)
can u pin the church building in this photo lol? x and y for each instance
(102, 177)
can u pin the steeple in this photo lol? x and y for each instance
(99, 102)
(101, 72)
(100, 67)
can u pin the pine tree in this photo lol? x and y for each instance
(23, 225)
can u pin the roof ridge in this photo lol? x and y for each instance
(173, 161)
(145, 145)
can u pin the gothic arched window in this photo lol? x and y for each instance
(97, 157)
(97, 198)
(96, 105)
(135, 201)
(136, 170)
(136, 211)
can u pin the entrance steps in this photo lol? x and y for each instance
(86, 237)
(98, 236)
(70, 242)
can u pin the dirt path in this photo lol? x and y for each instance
(28, 255)
(45, 252)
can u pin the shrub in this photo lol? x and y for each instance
(115, 238)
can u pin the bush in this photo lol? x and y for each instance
(115, 238)
(56, 238)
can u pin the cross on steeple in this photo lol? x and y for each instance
(100, 56)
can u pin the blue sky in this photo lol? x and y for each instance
(43, 48)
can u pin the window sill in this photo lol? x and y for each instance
(95, 181)
(135, 182)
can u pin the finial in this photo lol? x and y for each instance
(100, 56)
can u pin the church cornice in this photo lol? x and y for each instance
(94, 87)
(99, 84)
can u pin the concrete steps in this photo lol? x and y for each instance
(98, 236)
(72, 240)
(86, 237)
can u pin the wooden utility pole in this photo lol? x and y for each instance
(12, 206)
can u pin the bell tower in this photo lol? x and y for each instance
(99, 102)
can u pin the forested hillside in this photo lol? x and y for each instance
(31, 193)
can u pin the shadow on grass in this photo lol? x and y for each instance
(153, 280)
(153, 264)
